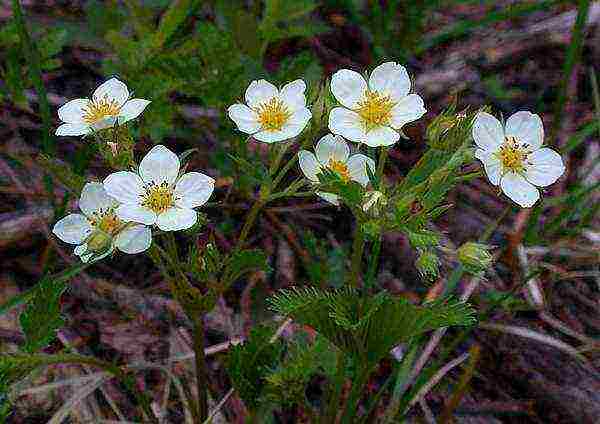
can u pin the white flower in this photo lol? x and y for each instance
(513, 157)
(157, 194)
(272, 115)
(110, 103)
(333, 153)
(98, 229)
(373, 113)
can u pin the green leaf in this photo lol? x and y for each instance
(249, 363)
(367, 329)
(243, 262)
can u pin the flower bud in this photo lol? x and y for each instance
(474, 257)
(428, 265)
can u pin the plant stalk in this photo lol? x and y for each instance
(358, 247)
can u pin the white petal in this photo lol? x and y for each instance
(347, 124)
(357, 167)
(519, 190)
(332, 147)
(487, 132)
(408, 109)
(382, 136)
(292, 94)
(544, 167)
(245, 118)
(112, 90)
(94, 197)
(176, 219)
(391, 79)
(260, 91)
(294, 126)
(134, 239)
(492, 165)
(329, 197)
(348, 87)
(526, 127)
(72, 130)
(309, 165)
(125, 186)
(136, 213)
(73, 228)
(159, 165)
(72, 112)
(193, 189)
(132, 109)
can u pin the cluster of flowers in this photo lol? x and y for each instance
(119, 212)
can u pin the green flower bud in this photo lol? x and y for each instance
(428, 265)
(99, 241)
(474, 257)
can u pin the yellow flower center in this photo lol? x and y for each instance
(159, 198)
(339, 168)
(107, 221)
(99, 109)
(375, 110)
(273, 114)
(512, 155)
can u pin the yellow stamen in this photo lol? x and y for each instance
(375, 110)
(512, 155)
(159, 198)
(106, 220)
(273, 114)
(339, 168)
(99, 109)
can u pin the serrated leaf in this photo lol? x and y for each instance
(243, 262)
(367, 329)
(249, 363)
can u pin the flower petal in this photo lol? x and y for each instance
(72, 112)
(292, 94)
(357, 167)
(544, 167)
(329, 197)
(309, 165)
(107, 122)
(176, 219)
(492, 165)
(390, 78)
(125, 186)
(159, 165)
(346, 123)
(72, 130)
(382, 136)
(521, 191)
(193, 189)
(244, 117)
(487, 132)
(73, 228)
(260, 91)
(408, 109)
(134, 239)
(294, 126)
(527, 128)
(132, 109)
(94, 197)
(136, 213)
(332, 147)
(348, 87)
(112, 90)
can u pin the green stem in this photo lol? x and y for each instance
(358, 246)
(338, 384)
(201, 371)
(573, 55)
(350, 412)
(35, 73)
(250, 218)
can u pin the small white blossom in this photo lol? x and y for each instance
(513, 157)
(272, 115)
(98, 230)
(374, 112)
(109, 104)
(158, 194)
(332, 152)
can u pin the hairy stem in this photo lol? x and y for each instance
(201, 371)
(248, 223)
(358, 247)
